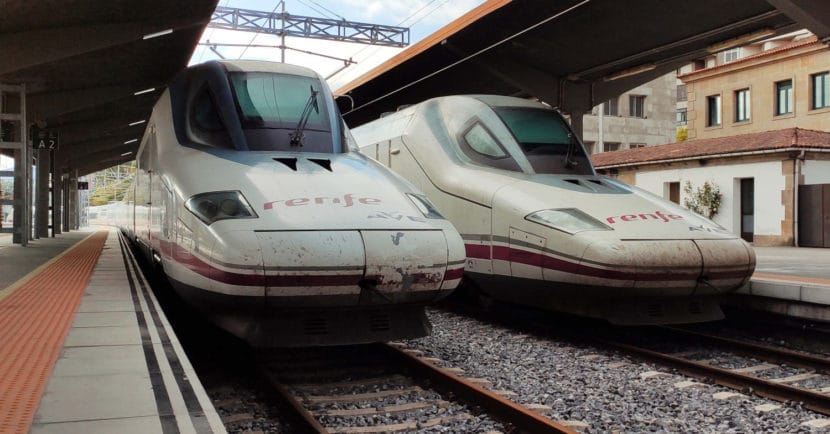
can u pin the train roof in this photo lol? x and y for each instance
(507, 101)
(265, 66)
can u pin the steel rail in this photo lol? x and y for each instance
(760, 351)
(303, 414)
(815, 401)
(510, 412)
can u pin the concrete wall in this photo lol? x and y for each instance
(658, 126)
(816, 171)
(769, 185)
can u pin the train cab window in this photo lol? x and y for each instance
(281, 112)
(480, 145)
(546, 140)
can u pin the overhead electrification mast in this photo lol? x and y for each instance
(284, 24)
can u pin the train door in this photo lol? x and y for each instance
(151, 181)
(143, 193)
(166, 218)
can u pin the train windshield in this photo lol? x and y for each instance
(281, 112)
(546, 140)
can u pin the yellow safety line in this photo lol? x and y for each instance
(5, 292)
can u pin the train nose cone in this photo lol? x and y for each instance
(353, 267)
(671, 267)
(647, 267)
(727, 265)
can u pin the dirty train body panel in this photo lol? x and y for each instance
(541, 228)
(249, 196)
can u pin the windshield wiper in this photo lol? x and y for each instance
(297, 136)
(569, 161)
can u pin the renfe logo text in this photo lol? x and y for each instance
(347, 200)
(656, 215)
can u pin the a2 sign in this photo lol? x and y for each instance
(45, 138)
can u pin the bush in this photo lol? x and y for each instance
(704, 200)
(682, 134)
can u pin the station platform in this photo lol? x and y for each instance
(792, 281)
(85, 347)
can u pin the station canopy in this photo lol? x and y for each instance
(85, 63)
(571, 54)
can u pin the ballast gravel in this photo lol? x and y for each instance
(603, 390)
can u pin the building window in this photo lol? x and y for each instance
(713, 111)
(637, 106)
(821, 90)
(682, 95)
(742, 105)
(611, 146)
(610, 107)
(783, 97)
(681, 116)
(731, 55)
(636, 145)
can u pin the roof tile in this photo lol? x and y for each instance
(790, 138)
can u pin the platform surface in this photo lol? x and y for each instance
(793, 261)
(116, 367)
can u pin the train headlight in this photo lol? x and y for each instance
(425, 206)
(570, 220)
(220, 205)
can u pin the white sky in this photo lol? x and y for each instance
(423, 17)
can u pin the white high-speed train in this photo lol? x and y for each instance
(251, 197)
(541, 228)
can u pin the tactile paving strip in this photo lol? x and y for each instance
(34, 320)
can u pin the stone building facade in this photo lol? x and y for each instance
(643, 116)
(776, 84)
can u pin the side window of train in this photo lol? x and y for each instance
(481, 141)
(203, 112)
(206, 126)
(482, 147)
(144, 158)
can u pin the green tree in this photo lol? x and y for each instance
(109, 185)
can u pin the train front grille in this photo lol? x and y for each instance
(315, 326)
(379, 322)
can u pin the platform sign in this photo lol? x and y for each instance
(46, 138)
(83, 185)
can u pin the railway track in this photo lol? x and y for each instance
(385, 388)
(772, 372)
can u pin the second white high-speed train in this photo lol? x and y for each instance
(541, 228)
(251, 198)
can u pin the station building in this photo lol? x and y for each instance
(758, 121)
